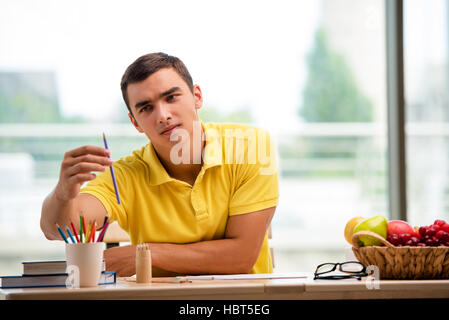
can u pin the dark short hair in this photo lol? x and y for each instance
(148, 64)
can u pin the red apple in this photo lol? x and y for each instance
(399, 227)
(445, 227)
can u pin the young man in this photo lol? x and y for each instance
(202, 195)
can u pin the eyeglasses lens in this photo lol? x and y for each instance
(352, 267)
(324, 268)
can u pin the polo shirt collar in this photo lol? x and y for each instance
(211, 157)
(212, 152)
(158, 174)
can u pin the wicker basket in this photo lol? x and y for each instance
(403, 262)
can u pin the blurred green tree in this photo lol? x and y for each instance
(30, 97)
(331, 93)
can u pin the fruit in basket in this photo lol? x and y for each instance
(376, 224)
(350, 228)
(434, 235)
(399, 227)
(445, 227)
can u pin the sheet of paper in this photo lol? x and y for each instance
(295, 275)
(161, 280)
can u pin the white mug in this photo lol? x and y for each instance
(84, 263)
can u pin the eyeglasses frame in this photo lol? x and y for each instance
(351, 274)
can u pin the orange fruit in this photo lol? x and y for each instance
(350, 227)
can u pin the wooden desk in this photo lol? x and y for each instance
(286, 289)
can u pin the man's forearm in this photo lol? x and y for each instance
(224, 256)
(236, 253)
(55, 210)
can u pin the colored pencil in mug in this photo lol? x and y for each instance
(105, 229)
(87, 233)
(86, 240)
(90, 228)
(69, 233)
(61, 233)
(112, 172)
(84, 228)
(74, 232)
(101, 235)
(92, 232)
(81, 229)
(105, 219)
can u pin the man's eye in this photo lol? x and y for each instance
(172, 97)
(146, 108)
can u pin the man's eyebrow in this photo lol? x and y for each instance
(163, 94)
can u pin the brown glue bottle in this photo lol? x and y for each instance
(143, 263)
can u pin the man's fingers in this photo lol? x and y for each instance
(84, 167)
(77, 167)
(89, 158)
(95, 150)
(82, 177)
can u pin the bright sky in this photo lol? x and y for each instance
(241, 53)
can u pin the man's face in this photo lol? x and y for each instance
(162, 103)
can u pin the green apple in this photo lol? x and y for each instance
(376, 224)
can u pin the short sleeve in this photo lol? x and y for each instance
(256, 184)
(102, 188)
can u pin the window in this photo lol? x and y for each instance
(312, 73)
(333, 162)
(427, 110)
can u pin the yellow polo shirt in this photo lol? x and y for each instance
(239, 175)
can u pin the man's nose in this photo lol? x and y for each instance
(163, 113)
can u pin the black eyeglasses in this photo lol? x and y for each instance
(353, 269)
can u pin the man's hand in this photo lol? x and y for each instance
(76, 169)
(64, 203)
(122, 260)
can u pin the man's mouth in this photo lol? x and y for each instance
(168, 130)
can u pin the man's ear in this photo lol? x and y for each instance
(134, 122)
(197, 94)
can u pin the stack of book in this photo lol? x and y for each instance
(47, 274)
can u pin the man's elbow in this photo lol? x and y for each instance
(245, 269)
(49, 235)
(245, 264)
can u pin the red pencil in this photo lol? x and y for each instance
(74, 231)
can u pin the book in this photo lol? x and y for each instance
(47, 267)
(44, 267)
(48, 280)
